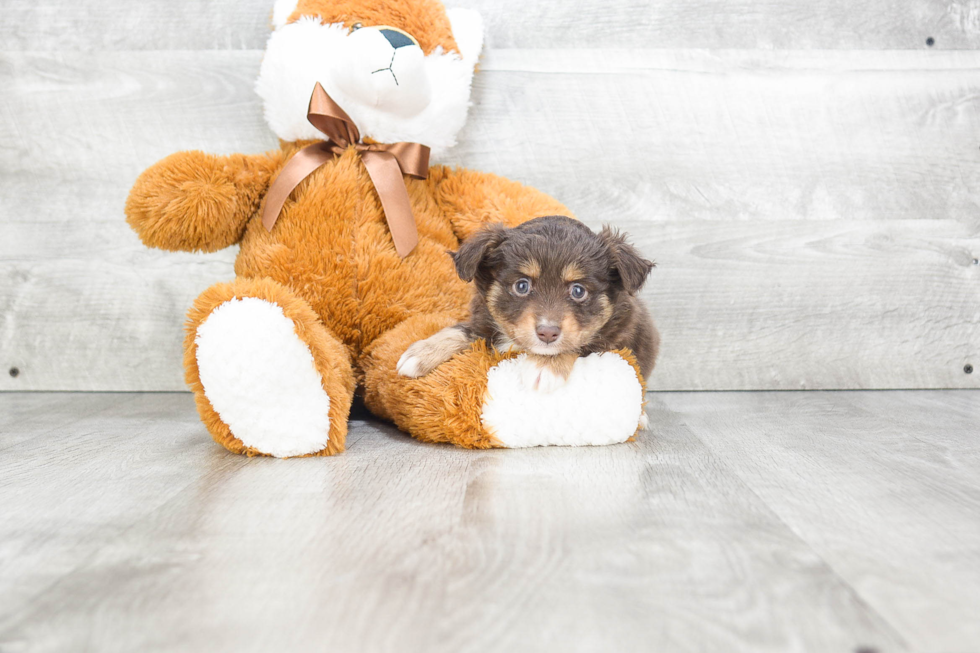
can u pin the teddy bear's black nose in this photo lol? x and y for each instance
(396, 38)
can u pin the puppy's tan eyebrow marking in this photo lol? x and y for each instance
(530, 268)
(572, 272)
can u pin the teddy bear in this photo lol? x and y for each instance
(344, 236)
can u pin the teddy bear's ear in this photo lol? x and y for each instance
(281, 12)
(468, 31)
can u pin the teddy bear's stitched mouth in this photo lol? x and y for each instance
(427, 102)
(389, 68)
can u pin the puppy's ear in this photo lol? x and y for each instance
(476, 249)
(627, 262)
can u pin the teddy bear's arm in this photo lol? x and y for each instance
(193, 201)
(472, 199)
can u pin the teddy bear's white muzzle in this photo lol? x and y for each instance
(385, 71)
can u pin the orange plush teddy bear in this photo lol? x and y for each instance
(343, 261)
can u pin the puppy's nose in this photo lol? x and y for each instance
(548, 334)
(396, 38)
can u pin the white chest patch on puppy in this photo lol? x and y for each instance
(600, 403)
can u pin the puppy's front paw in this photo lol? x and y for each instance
(420, 359)
(410, 364)
(426, 355)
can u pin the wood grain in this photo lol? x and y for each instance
(720, 24)
(814, 214)
(799, 305)
(735, 135)
(106, 460)
(763, 24)
(20, 419)
(130, 530)
(882, 486)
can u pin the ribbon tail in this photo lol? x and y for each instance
(388, 181)
(296, 170)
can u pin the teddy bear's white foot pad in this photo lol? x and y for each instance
(601, 403)
(261, 380)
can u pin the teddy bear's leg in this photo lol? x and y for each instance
(479, 399)
(268, 377)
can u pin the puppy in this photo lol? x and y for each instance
(551, 288)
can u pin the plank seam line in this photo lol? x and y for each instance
(857, 595)
(28, 606)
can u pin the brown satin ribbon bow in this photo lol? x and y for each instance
(385, 163)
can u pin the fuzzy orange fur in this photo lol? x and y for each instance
(628, 356)
(330, 264)
(426, 20)
(444, 405)
(220, 193)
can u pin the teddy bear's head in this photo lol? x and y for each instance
(400, 69)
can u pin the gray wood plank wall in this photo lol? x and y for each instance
(806, 174)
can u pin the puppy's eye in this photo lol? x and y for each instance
(578, 292)
(355, 27)
(522, 287)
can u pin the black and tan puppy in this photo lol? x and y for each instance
(550, 287)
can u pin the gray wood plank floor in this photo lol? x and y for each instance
(818, 521)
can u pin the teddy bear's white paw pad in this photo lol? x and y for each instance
(600, 403)
(261, 379)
